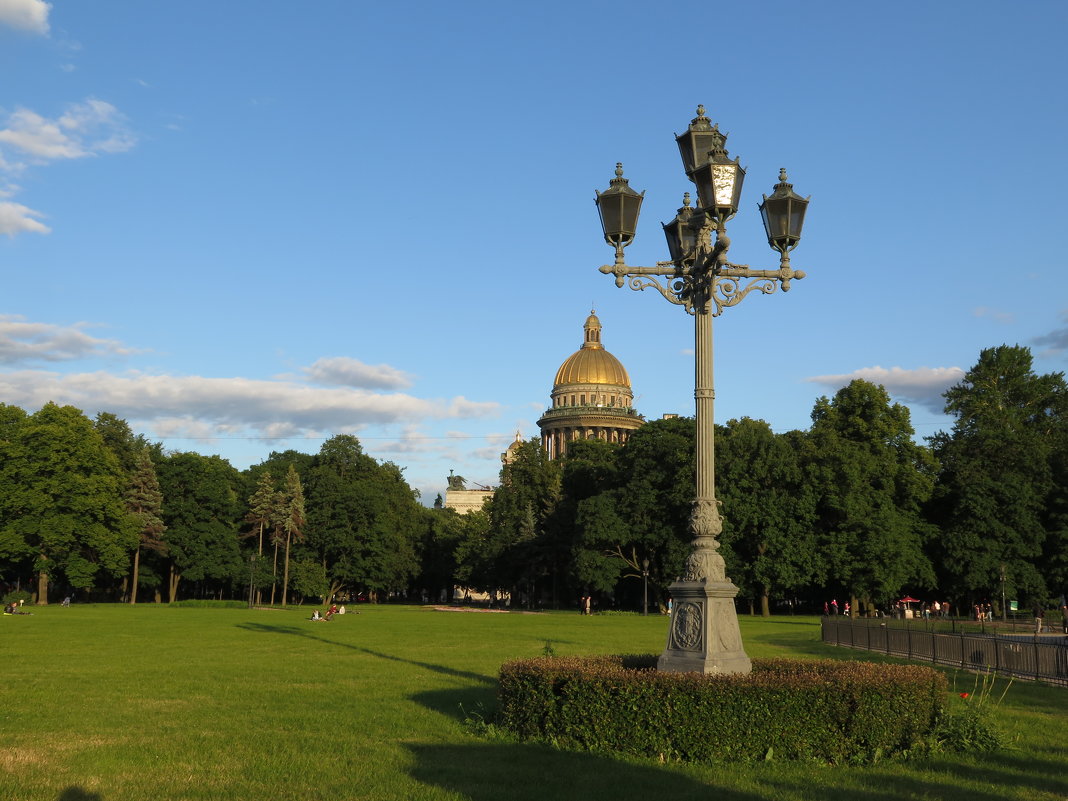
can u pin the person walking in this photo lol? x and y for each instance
(1064, 615)
(1038, 611)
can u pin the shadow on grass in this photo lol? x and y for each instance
(78, 794)
(535, 773)
(528, 772)
(265, 628)
(461, 703)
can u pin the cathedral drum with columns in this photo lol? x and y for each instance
(591, 397)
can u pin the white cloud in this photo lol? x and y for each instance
(26, 15)
(22, 342)
(16, 219)
(923, 385)
(84, 129)
(345, 372)
(220, 406)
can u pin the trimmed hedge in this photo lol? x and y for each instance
(785, 709)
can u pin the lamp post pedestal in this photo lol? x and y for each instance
(704, 635)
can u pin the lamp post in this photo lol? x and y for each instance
(704, 633)
(645, 587)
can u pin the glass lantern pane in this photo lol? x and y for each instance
(723, 178)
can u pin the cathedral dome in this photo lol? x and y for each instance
(591, 398)
(592, 364)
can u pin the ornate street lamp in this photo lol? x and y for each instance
(704, 633)
(619, 206)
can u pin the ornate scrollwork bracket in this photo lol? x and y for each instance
(707, 283)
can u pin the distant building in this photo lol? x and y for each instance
(591, 397)
(464, 500)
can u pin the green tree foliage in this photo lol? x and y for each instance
(1001, 495)
(645, 515)
(263, 510)
(595, 553)
(308, 578)
(873, 481)
(121, 440)
(63, 507)
(201, 510)
(364, 522)
(470, 550)
(144, 501)
(291, 509)
(520, 550)
(769, 509)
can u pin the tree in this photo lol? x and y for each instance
(308, 577)
(364, 522)
(292, 510)
(201, 512)
(263, 510)
(645, 515)
(64, 506)
(520, 513)
(1001, 490)
(145, 504)
(590, 469)
(872, 481)
(769, 538)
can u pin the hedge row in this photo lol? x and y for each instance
(785, 709)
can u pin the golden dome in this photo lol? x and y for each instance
(592, 364)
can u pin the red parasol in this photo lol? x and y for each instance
(908, 599)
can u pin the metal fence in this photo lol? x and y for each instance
(1043, 658)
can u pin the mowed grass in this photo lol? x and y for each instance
(119, 703)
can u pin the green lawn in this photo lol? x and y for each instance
(113, 703)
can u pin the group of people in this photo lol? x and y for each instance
(832, 607)
(14, 608)
(333, 610)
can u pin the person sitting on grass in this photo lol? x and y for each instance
(316, 615)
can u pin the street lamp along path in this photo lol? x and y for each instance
(704, 634)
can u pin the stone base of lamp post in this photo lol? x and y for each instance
(704, 635)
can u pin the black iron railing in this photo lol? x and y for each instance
(1042, 657)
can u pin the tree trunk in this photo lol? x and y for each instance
(42, 588)
(285, 575)
(259, 557)
(133, 581)
(175, 577)
(335, 588)
(274, 573)
(765, 605)
(853, 606)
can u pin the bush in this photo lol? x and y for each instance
(785, 709)
(202, 603)
(16, 596)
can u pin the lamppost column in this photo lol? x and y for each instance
(706, 520)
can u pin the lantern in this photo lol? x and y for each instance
(618, 207)
(783, 214)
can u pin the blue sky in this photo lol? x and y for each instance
(247, 225)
